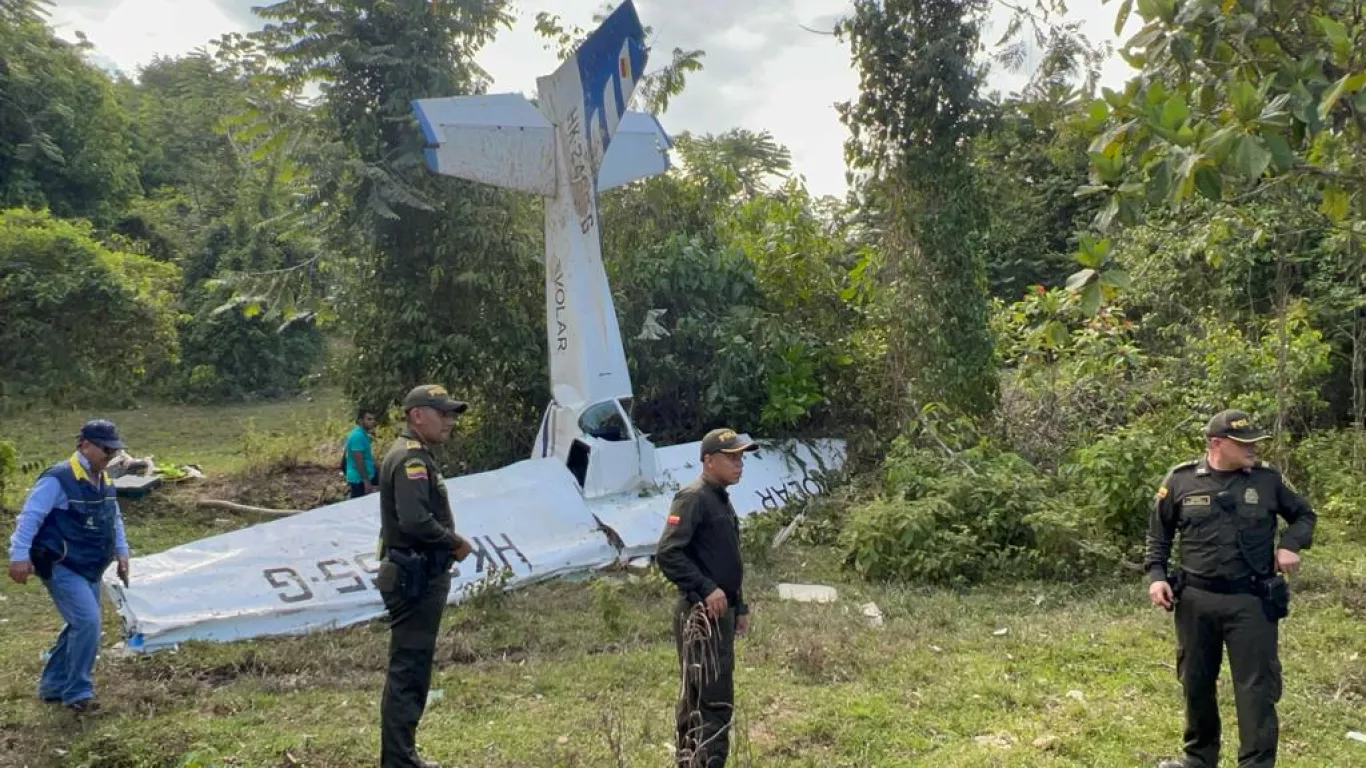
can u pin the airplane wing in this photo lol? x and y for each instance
(314, 571)
(639, 149)
(500, 139)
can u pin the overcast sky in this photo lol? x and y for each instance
(763, 71)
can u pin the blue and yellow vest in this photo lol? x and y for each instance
(80, 535)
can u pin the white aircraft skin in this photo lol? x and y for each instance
(595, 490)
(559, 148)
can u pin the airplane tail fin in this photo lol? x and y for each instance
(601, 77)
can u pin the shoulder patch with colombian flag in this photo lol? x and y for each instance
(415, 470)
(672, 520)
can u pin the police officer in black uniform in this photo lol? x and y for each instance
(1230, 591)
(417, 544)
(699, 551)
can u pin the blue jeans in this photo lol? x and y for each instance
(71, 661)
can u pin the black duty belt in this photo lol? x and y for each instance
(1249, 585)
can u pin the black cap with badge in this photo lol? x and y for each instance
(726, 441)
(1235, 425)
(433, 396)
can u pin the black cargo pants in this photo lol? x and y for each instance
(412, 643)
(1205, 623)
(703, 715)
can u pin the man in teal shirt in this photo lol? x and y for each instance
(358, 458)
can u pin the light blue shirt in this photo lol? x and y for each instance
(359, 440)
(47, 495)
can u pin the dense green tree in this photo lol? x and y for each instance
(917, 110)
(81, 323)
(64, 141)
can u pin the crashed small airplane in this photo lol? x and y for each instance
(595, 490)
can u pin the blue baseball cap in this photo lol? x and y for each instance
(102, 432)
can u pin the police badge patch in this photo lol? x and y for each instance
(1250, 496)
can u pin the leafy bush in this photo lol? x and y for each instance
(235, 353)
(1221, 367)
(946, 514)
(79, 323)
(958, 527)
(1116, 475)
(1334, 463)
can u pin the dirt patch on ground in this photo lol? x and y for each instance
(285, 484)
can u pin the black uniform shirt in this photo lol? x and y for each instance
(699, 550)
(1227, 521)
(414, 511)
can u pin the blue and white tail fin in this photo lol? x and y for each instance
(602, 76)
(506, 141)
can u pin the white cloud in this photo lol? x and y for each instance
(762, 69)
(130, 33)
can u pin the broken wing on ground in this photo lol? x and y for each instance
(315, 570)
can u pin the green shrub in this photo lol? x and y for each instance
(235, 353)
(1116, 475)
(947, 517)
(1334, 465)
(79, 323)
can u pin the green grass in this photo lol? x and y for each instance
(545, 679)
(215, 437)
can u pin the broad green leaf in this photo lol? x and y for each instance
(1128, 211)
(1105, 141)
(1337, 35)
(1209, 183)
(1110, 169)
(1107, 215)
(1076, 280)
(1056, 333)
(1125, 8)
(1251, 158)
(1159, 182)
(1090, 298)
(1098, 111)
(1117, 278)
(1087, 254)
(1175, 112)
(1206, 97)
(1345, 85)
(1246, 103)
(1281, 154)
(1335, 203)
(1221, 144)
(1301, 102)
(1156, 93)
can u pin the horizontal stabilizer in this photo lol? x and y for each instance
(639, 149)
(500, 139)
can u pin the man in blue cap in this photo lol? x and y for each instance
(68, 532)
